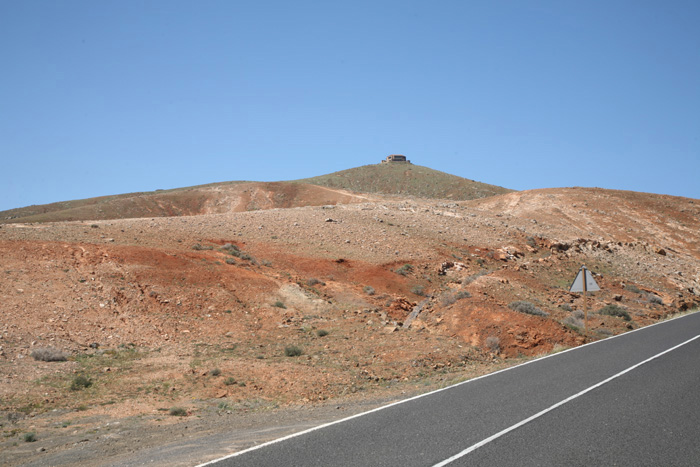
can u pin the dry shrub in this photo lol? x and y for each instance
(49, 354)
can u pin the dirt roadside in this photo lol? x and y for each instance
(209, 433)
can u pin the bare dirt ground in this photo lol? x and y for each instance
(202, 316)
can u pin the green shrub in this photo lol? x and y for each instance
(200, 247)
(633, 288)
(615, 310)
(292, 351)
(215, 372)
(29, 437)
(224, 407)
(49, 354)
(566, 307)
(462, 294)
(231, 249)
(230, 381)
(522, 306)
(418, 290)
(80, 382)
(321, 333)
(369, 290)
(313, 281)
(279, 304)
(177, 411)
(404, 270)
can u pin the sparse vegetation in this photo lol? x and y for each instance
(414, 180)
(633, 288)
(418, 290)
(279, 304)
(215, 372)
(575, 324)
(615, 310)
(522, 306)
(369, 290)
(29, 437)
(474, 277)
(493, 343)
(224, 407)
(531, 242)
(293, 351)
(80, 382)
(231, 249)
(654, 299)
(566, 307)
(230, 381)
(321, 333)
(177, 412)
(449, 298)
(200, 247)
(49, 354)
(404, 270)
(313, 281)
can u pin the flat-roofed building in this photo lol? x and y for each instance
(395, 158)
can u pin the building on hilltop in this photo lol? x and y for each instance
(396, 158)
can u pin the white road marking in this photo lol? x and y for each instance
(325, 425)
(558, 404)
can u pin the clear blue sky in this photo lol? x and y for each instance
(108, 97)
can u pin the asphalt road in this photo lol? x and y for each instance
(631, 400)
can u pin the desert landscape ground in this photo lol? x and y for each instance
(131, 321)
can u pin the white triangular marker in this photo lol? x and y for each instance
(584, 274)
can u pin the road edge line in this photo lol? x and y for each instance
(485, 441)
(402, 401)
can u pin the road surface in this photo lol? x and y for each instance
(629, 400)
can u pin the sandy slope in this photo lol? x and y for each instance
(148, 318)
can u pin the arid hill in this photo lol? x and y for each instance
(206, 199)
(225, 313)
(408, 180)
(218, 198)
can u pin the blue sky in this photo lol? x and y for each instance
(109, 97)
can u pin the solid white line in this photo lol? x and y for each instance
(558, 404)
(325, 425)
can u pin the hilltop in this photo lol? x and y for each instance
(267, 313)
(407, 180)
(343, 187)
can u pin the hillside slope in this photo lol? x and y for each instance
(224, 314)
(406, 180)
(205, 199)
(238, 196)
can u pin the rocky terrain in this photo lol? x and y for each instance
(315, 300)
